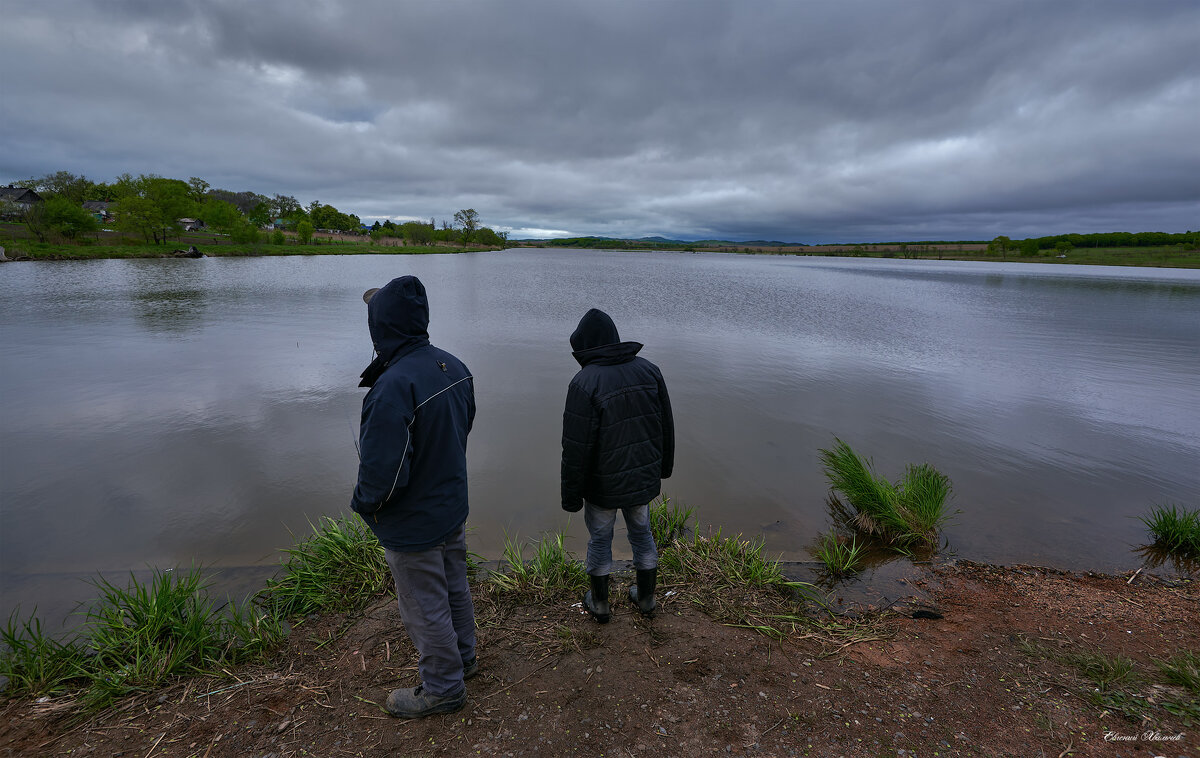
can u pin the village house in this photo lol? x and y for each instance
(101, 210)
(16, 200)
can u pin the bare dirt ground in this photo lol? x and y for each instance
(992, 677)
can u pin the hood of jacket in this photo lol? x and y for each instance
(595, 340)
(398, 319)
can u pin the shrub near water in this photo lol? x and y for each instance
(840, 555)
(34, 663)
(668, 521)
(1175, 531)
(142, 634)
(904, 515)
(552, 572)
(134, 638)
(338, 568)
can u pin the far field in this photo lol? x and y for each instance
(18, 245)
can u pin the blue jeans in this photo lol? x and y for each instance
(600, 522)
(436, 607)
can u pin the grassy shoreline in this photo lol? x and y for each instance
(111, 245)
(1026, 659)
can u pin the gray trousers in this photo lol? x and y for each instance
(435, 605)
(600, 523)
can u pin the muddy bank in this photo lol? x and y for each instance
(999, 673)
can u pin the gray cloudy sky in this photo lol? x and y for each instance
(795, 120)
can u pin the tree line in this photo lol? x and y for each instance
(153, 207)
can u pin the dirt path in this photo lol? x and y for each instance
(999, 674)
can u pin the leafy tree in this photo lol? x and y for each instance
(64, 184)
(1029, 248)
(126, 186)
(245, 233)
(417, 233)
(220, 215)
(137, 215)
(34, 219)
(260, 214)
(245, 202)
(1063, 246)
(468, 219)
(1000, 245)
(283, 206)
(172, 199)
(488, 236)
(376, 234)
(197, 189)
(304, 230)
(277, 237)
(67, 217)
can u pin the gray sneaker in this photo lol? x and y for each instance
(414, 702)
(471, 667)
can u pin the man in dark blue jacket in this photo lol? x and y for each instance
(618, 444)
(412, 490)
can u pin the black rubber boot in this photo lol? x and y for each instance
(596, 599)
(643, 594)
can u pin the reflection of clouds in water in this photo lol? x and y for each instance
(160, 494)
(213, 441)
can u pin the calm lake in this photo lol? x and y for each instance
(178, 412)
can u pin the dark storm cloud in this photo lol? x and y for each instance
(797, 121)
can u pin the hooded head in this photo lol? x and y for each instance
(596, 340)
(595, 329)
(398, 318)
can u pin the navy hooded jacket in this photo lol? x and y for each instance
(618, 433)
(412, 472)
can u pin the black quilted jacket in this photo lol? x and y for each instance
(618, 434)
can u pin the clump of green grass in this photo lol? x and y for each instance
(841, 555)
(1174, 530)
(668, 521)
(1104, 671)
(339, 568)
(551, 573)
(1115, 683)
(730, 562)
(140, 635)
(910, 513)
(1182, 669)
(34, 663)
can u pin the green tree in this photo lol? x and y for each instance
(245, 233)
(417, 233)
(283, 206)
(34, 219)
(221, 216)
(1063, 246)
(1000, 245)
(468, 220)
(137, 215)
(126, 186)
(172, 200)
(260, 215)
(488, 236)
(304, 230)
(277, 237)
(197, 189)
(67, 217)
(65, 184)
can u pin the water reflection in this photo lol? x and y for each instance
(170, 310)
(210, 406)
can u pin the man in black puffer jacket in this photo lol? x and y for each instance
(412, 490)
(618, 444)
